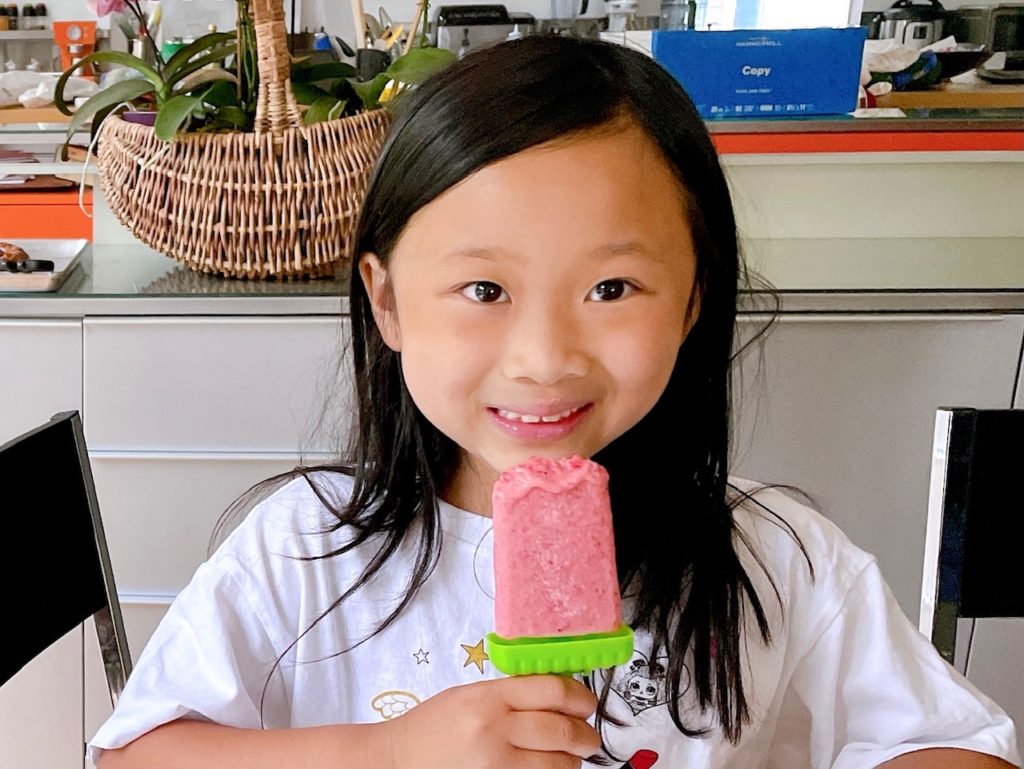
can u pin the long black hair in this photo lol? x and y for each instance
(669, 473)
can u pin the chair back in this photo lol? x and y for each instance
(974, 561)
(55, 567)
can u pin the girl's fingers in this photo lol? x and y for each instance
(556, 693)
(542, 730)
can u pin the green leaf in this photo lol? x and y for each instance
(331, 70)
(203, 76)
(105, 57)
(222, 94)
(419, 64)
(370, 91)
(232, 115)
(97, 121)
(307, 94)
(182, 56)
(337, 110)
(173, 115)
(213, 57)
(321, 110)
(126, 90)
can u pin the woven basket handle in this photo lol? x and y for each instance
(276, 109)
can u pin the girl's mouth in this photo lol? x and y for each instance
(540, 427)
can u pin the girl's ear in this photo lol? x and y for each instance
(382, 303)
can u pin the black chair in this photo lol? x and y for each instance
(973, 549)
(55, 566)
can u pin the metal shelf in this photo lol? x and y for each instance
(8, 35)
(43, 169)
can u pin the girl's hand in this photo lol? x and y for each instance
(528, 722)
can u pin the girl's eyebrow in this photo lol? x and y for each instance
(481, 252)
(608, 250)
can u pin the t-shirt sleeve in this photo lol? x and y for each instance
(209, 659)
(876, 688)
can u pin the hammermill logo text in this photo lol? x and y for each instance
(759, 42)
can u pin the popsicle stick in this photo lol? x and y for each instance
(360, 23)
(415, 26)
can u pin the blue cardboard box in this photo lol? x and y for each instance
(765, 72)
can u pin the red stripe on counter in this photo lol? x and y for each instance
(868, 141)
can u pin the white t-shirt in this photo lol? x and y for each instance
(848, 682)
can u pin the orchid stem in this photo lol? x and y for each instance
(136, 10)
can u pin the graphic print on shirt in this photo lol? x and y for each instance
(642, 759)
(475, 655)
(394, 703)
(641, 683)
(421, 657)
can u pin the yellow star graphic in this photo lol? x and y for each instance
(475, 655)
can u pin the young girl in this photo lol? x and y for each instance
(548, 267)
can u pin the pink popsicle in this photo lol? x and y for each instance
(554, 550)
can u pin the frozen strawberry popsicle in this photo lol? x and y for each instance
(557, 605)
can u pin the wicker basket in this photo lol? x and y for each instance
(281, 202)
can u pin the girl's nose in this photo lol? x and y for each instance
(544, 346)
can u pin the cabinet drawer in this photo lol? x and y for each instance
(215, 384)
(41, 709)
(843, 407)
(41, 372)
(159, 510)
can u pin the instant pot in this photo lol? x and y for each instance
(915, 26)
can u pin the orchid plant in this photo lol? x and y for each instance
(211, 84)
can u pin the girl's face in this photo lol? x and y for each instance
(539, 305)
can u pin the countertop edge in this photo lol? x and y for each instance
(22, 307)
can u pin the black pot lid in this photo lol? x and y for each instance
(920, 13)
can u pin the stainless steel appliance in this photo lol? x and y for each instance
(997, 27)
(912, 25)
(462, 28)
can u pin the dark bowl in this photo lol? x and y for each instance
(142, 118)
(961, 59)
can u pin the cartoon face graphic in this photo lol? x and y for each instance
(642, 683)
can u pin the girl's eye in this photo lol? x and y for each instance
(484, 291)
(609, 290)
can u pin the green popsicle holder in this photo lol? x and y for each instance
(560, 654)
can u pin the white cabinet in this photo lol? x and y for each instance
(40, 372)
(844, 408)
(40, 708)
(182, 415)
(159, 510)
(214, 384)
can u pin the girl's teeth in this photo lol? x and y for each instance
(532, 418)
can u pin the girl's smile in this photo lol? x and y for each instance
(550, 329)
(537, 424)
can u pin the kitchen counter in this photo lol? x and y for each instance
(906, 130)
(852, 275)
(916, 119)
